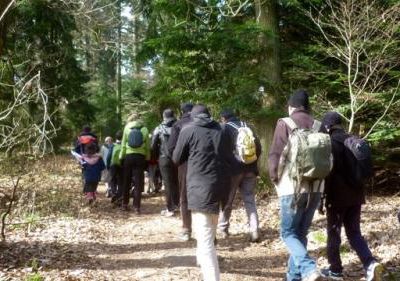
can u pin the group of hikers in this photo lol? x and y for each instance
(203, 163)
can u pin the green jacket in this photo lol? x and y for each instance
(126, 149)
(115, 154)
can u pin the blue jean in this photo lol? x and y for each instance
(295, 223)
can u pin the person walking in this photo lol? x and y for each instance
(344, 197)
(244, 179)
(169, 172)
(186, 215)
(203, 144)
(104, 151)
(135, 152)
(295, 220)
(115, 169)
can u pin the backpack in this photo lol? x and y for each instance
(307, 154)
(135, 137)
(245, 143)
(86, 139)
(360, 158)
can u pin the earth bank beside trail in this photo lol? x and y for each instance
(67, 240)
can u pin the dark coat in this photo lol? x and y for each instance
(206, 148)
(176, 129)
(239, 166)
(92, 173)
(340, 192)
(79, 147)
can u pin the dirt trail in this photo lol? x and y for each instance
(104, 243)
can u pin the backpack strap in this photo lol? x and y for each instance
(233, 125)
(316, 125)
(290, 123)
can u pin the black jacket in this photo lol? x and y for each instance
(239, 166)
(203, 143)
(340, 192)
(176, 129)
(160, 138)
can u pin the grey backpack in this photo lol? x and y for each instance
(307, 155)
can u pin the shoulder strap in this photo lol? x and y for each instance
(316, 125)
(233, 125)
(289, 121)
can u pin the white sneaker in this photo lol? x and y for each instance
(167, 213)
(315, 276)
(374, 271)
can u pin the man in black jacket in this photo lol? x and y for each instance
(343, 201)
(169, 173)
(186, 216)
(205, 146)
(244, 177)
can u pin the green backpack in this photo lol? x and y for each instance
(307, 155)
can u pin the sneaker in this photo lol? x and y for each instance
(315, 276)
(254, 236)
(224, 234)
(184, 236)
(374, 271)
(326, 273)
(167, 213)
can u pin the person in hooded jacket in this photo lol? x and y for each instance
(134, 161)
(344, 197)
(186, 215)
(244, 179)
(169, 172)
(205, 147)
(85, 137)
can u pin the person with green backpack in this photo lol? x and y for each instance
(135, 152)
(299, 160)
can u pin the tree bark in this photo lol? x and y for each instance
(119, 62)
(267, 17)
(4, 4)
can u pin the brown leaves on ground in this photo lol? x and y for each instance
(67, 240)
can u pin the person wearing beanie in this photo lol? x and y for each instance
(204, 145)
(186, 216)
(169, 173)
(134, 154)
(244, 178)
(344, 198)
(295, 222)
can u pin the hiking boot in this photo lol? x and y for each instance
(374, 271)
(136, 211)
(326, 273)
(124, 208)
(315, 276)
(254, 236)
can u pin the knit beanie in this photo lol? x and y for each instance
(186, 107)
(298, 99)
(200, 109)
(86, 129)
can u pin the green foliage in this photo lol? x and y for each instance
(34, 277)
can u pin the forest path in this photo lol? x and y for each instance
(106, 243)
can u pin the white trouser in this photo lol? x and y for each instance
(205, 226)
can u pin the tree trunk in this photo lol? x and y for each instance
(119, 61)
(267, 17)
(4, 4)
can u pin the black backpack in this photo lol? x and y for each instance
(359, 158)
(135, 137)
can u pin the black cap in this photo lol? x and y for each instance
(86, 129)
(118, 135)
(199, 109)
(331, 119)
(186, 107)
(227, 113)
(298, 99)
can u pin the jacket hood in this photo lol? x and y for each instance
(168, 121)
(135, 124)
(203, 120)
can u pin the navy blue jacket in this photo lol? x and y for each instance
(92, 173)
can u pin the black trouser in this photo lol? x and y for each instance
(116, 180)
(169, 174)
(185, 212)
(350, 218)
(134, 166)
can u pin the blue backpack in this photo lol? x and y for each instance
(135, 137)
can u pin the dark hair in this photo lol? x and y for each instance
(86, 129)
(300, 99)
(186, 107)
(91, 148)
(227, 113)
(118, 135)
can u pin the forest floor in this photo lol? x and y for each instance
(55, 236)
